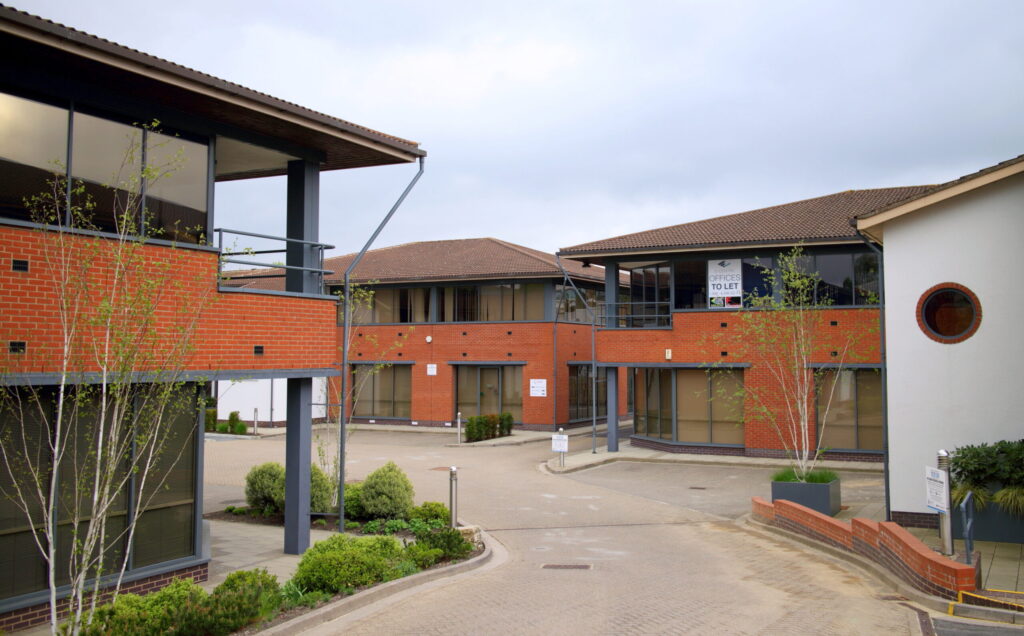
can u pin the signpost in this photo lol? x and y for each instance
(560, 445)
(936, 489)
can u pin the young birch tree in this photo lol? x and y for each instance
(83, 458)
(787, 336)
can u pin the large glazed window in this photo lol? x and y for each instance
(653, 402)
(487, 390)
(949, 313)
(33, 145)
(850, 409)
(707, 405)
(384, 392)
(581, 394)
(503, 302)
(649, 296)
(106, 160)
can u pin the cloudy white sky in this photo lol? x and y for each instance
(550, 123)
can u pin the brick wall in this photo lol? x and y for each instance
(886, 543)
(40, 614)
(295, 332)
(433, 397)
(701, 338)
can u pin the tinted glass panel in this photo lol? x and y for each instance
(836, 410)
(692, 406)
(691, 284)
(835, 286)
(106, 158)
(756, 278)
(534, 300)
(865, 278)
(726, 407)
(467, 391)
(403, 391)
(176, 188)
(869, 410)
(33, 145)
(512, 392)
(163, 534)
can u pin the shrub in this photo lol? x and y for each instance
(982, 468)
(472, 433)
(387, 493)
(374, 526)
(449, 541)
(491, 423)
(816, 476)
(352, 525)
(223, 427)
(340, 570)
(419, 526)
(422, 555)
(234, 418)
(243, 598)
(431, 510)
(294, 596)
(391, 526)
(505, 423)
(211, 419)
(354, 501)
(264, 487)
(239, 428)
(321, 491)
(180, 608)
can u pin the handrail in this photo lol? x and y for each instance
(218, 230)
(635, 319)
(224, 276)
(967, 517)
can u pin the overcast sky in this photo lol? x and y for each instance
(553, 123)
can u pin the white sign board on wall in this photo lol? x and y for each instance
(725, 283)
(538, 387)
(431, 369)
(936, 489)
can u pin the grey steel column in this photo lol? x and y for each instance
(303, 224)
(298, 440)
(611, 299)
(612, 387)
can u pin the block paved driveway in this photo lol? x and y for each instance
(662, 558)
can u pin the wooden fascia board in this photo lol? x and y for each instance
(81, 50)
(939, 196)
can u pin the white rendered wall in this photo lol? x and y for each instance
(245, 395)
(949, 395)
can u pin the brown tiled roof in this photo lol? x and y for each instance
(439, 261)
(819, 219)
(76, 40)
(943, 186)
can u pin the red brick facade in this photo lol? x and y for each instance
(538, 344)
(296, 333)
(711, 338)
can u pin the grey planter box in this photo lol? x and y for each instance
(991, 524)
(823, 498)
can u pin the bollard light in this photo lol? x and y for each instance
(945, 519)
(453, 494)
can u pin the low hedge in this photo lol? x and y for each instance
(481, 427)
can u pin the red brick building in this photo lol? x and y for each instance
(471, 326)
(676, 334)
(69, 101)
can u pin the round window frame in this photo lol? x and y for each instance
(972, 298)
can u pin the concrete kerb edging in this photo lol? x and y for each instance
(934, 603)
(378, 593)
(682, 458)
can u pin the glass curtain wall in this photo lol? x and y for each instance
(165, 529)
(706, 406)
(382, 391)
(106, 160)
(503, 302)
(581, 396)
(649, 296)
(486, 390)
(849, 409)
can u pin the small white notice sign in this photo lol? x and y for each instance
(538, 387)
(431, 369)
(936, 489)
(559, 443)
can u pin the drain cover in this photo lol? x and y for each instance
(698, 487)
(566, 566)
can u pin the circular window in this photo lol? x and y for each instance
(949, 313)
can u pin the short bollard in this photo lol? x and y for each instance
(945, 516)
(453, 494)
(458, 426)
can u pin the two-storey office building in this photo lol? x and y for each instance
(673, 335)
(470, 326)
(69, 104)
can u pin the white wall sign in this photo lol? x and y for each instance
(725, 283)
(431, 369)
(936, 489)
(538, 387)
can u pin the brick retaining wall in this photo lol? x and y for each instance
(885, 543)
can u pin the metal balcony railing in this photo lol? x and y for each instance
(235, 279)
(639, 315)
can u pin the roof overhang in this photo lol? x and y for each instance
(872, 224)
(46, 45)
(599, 256)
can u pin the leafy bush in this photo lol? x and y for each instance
(387, 493)
(264, 487)
(374, 526)
(448, 540)
(234, 418)
(431, 510)
(239, 428)
(491, 423)
(321, 491)
(244, 598)
(344, 567)
(391, 526)
(505, 424)
(223, 427)
(418, 526)
(354, 501)
(352, 525)
(473, 429)
(294, 596)
(211, 419)
(422, 555)
(982, 469)
(816, 476)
